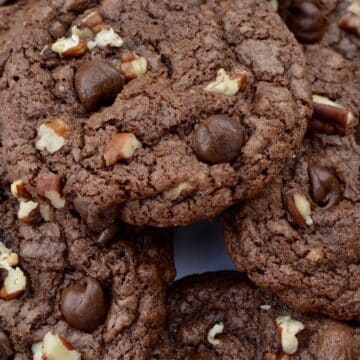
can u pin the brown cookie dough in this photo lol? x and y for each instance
(130, 145)
(300, 238)
(107, 302)
(222, 316)
(332, 23)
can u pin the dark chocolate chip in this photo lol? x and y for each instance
(4, 57)
(324, 186)
(97, 83)
(306, 21)
(6, 351)
(83, 304)
(108, 234)
(5, 2)
(218, 139)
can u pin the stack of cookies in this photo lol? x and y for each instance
(124, 119)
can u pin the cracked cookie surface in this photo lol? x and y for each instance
(182, 62)
(300, 238)
(107, 302)
(223, 316)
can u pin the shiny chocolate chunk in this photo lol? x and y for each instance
(84, 305)
(324, 186)
(306, 21)
(218, 139)
(97, 83)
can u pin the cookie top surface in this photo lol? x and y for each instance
(148, 148)
(107, 302)
(332, 23)
(300, 238)
(222, 316)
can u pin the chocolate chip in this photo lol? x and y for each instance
(83, 304)
(5, 2)
(218, 139)
(97, 83)
(324, 186)
(6, 351)
(108, 234)
(4, 56)
(306, 21)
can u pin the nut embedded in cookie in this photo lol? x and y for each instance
(330, 117)
(49, 186)
(133, 66)
(121, 147)
(350, 22)
(12, 280)
(228, 85)
(288, 329)
(29, 212)
(54, 347)
(52, 136)
(299, 207)
(213, 332)
(19, 191)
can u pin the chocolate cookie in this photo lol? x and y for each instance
(64, 297)
(300, 238)
(332, 23)
(223, 316)
(159, 113)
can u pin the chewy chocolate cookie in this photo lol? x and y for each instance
(158, 112)
(222, 316)
(301, 237)
(63, 297)
(332, 23)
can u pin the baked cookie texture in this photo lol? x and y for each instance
(143, 144)
(223, 316)
(80, 298)
(300, 238)
(330, 23)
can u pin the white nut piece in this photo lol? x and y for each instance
(265, 307)
(213, 332)
(46, 212)
(226, 85)
(299, 207)
(274, 4)
(134, 66)
(14, 283)
(52, 136)
(289, 328)
(175, 192)
(108, 37)
(19, 191)
(69, 47)
(28, 212)
(83, 33)
(54, 347)
(122, 146)
(49, 186)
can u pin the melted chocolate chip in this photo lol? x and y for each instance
(6, 351)
(306, 21)
(218, 139)
(4, 57)
(83, 304)
(324, 186)
(97, 83)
